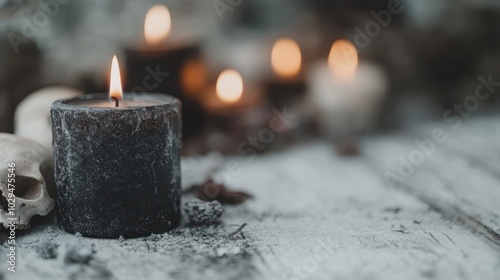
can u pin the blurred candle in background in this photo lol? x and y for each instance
(235, 112)
(287, 82)
(157, 25)
(230, 96)
(286, 59)
(164, 63)
(346, 93)
(343, 61)
(229, 86)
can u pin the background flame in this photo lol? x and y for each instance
(286, 58)
(229, 86)
(157, 24)
(343, 59)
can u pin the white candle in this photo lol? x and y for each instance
(346, 94)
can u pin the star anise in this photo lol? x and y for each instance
(211, 190)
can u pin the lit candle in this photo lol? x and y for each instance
(235, 112)
(230, 96)
(347, 94)
(157, 25)
(117, 162)
(164, 63)
(286, 58)
(287, 83)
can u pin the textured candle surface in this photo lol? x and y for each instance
(117, 169)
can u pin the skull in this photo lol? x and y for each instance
(33, 172)
(32, 119)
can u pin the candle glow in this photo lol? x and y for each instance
(157, 25)
(343, 59)
(229, 86)
(115, 83)
(286, 58)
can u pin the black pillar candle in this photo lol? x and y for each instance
(162, 61)
(235, 112)
(287, 85)
(117, 168)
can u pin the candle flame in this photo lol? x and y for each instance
(115, 83)
(286, 58)
(343, 59)
(157, 25)
(229, 86)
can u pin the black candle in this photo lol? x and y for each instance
(117, 168)
(164, 63)
(287, 84)
(235, 112)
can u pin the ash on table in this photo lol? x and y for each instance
(202, 212)
(47, 250)
(77, 253)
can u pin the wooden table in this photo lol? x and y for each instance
(320, 216)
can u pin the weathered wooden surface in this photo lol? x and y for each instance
(460, 177)
(319, 216)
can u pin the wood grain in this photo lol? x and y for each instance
(458, 178)
(319, 216)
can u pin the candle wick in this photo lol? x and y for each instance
(117, 101)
